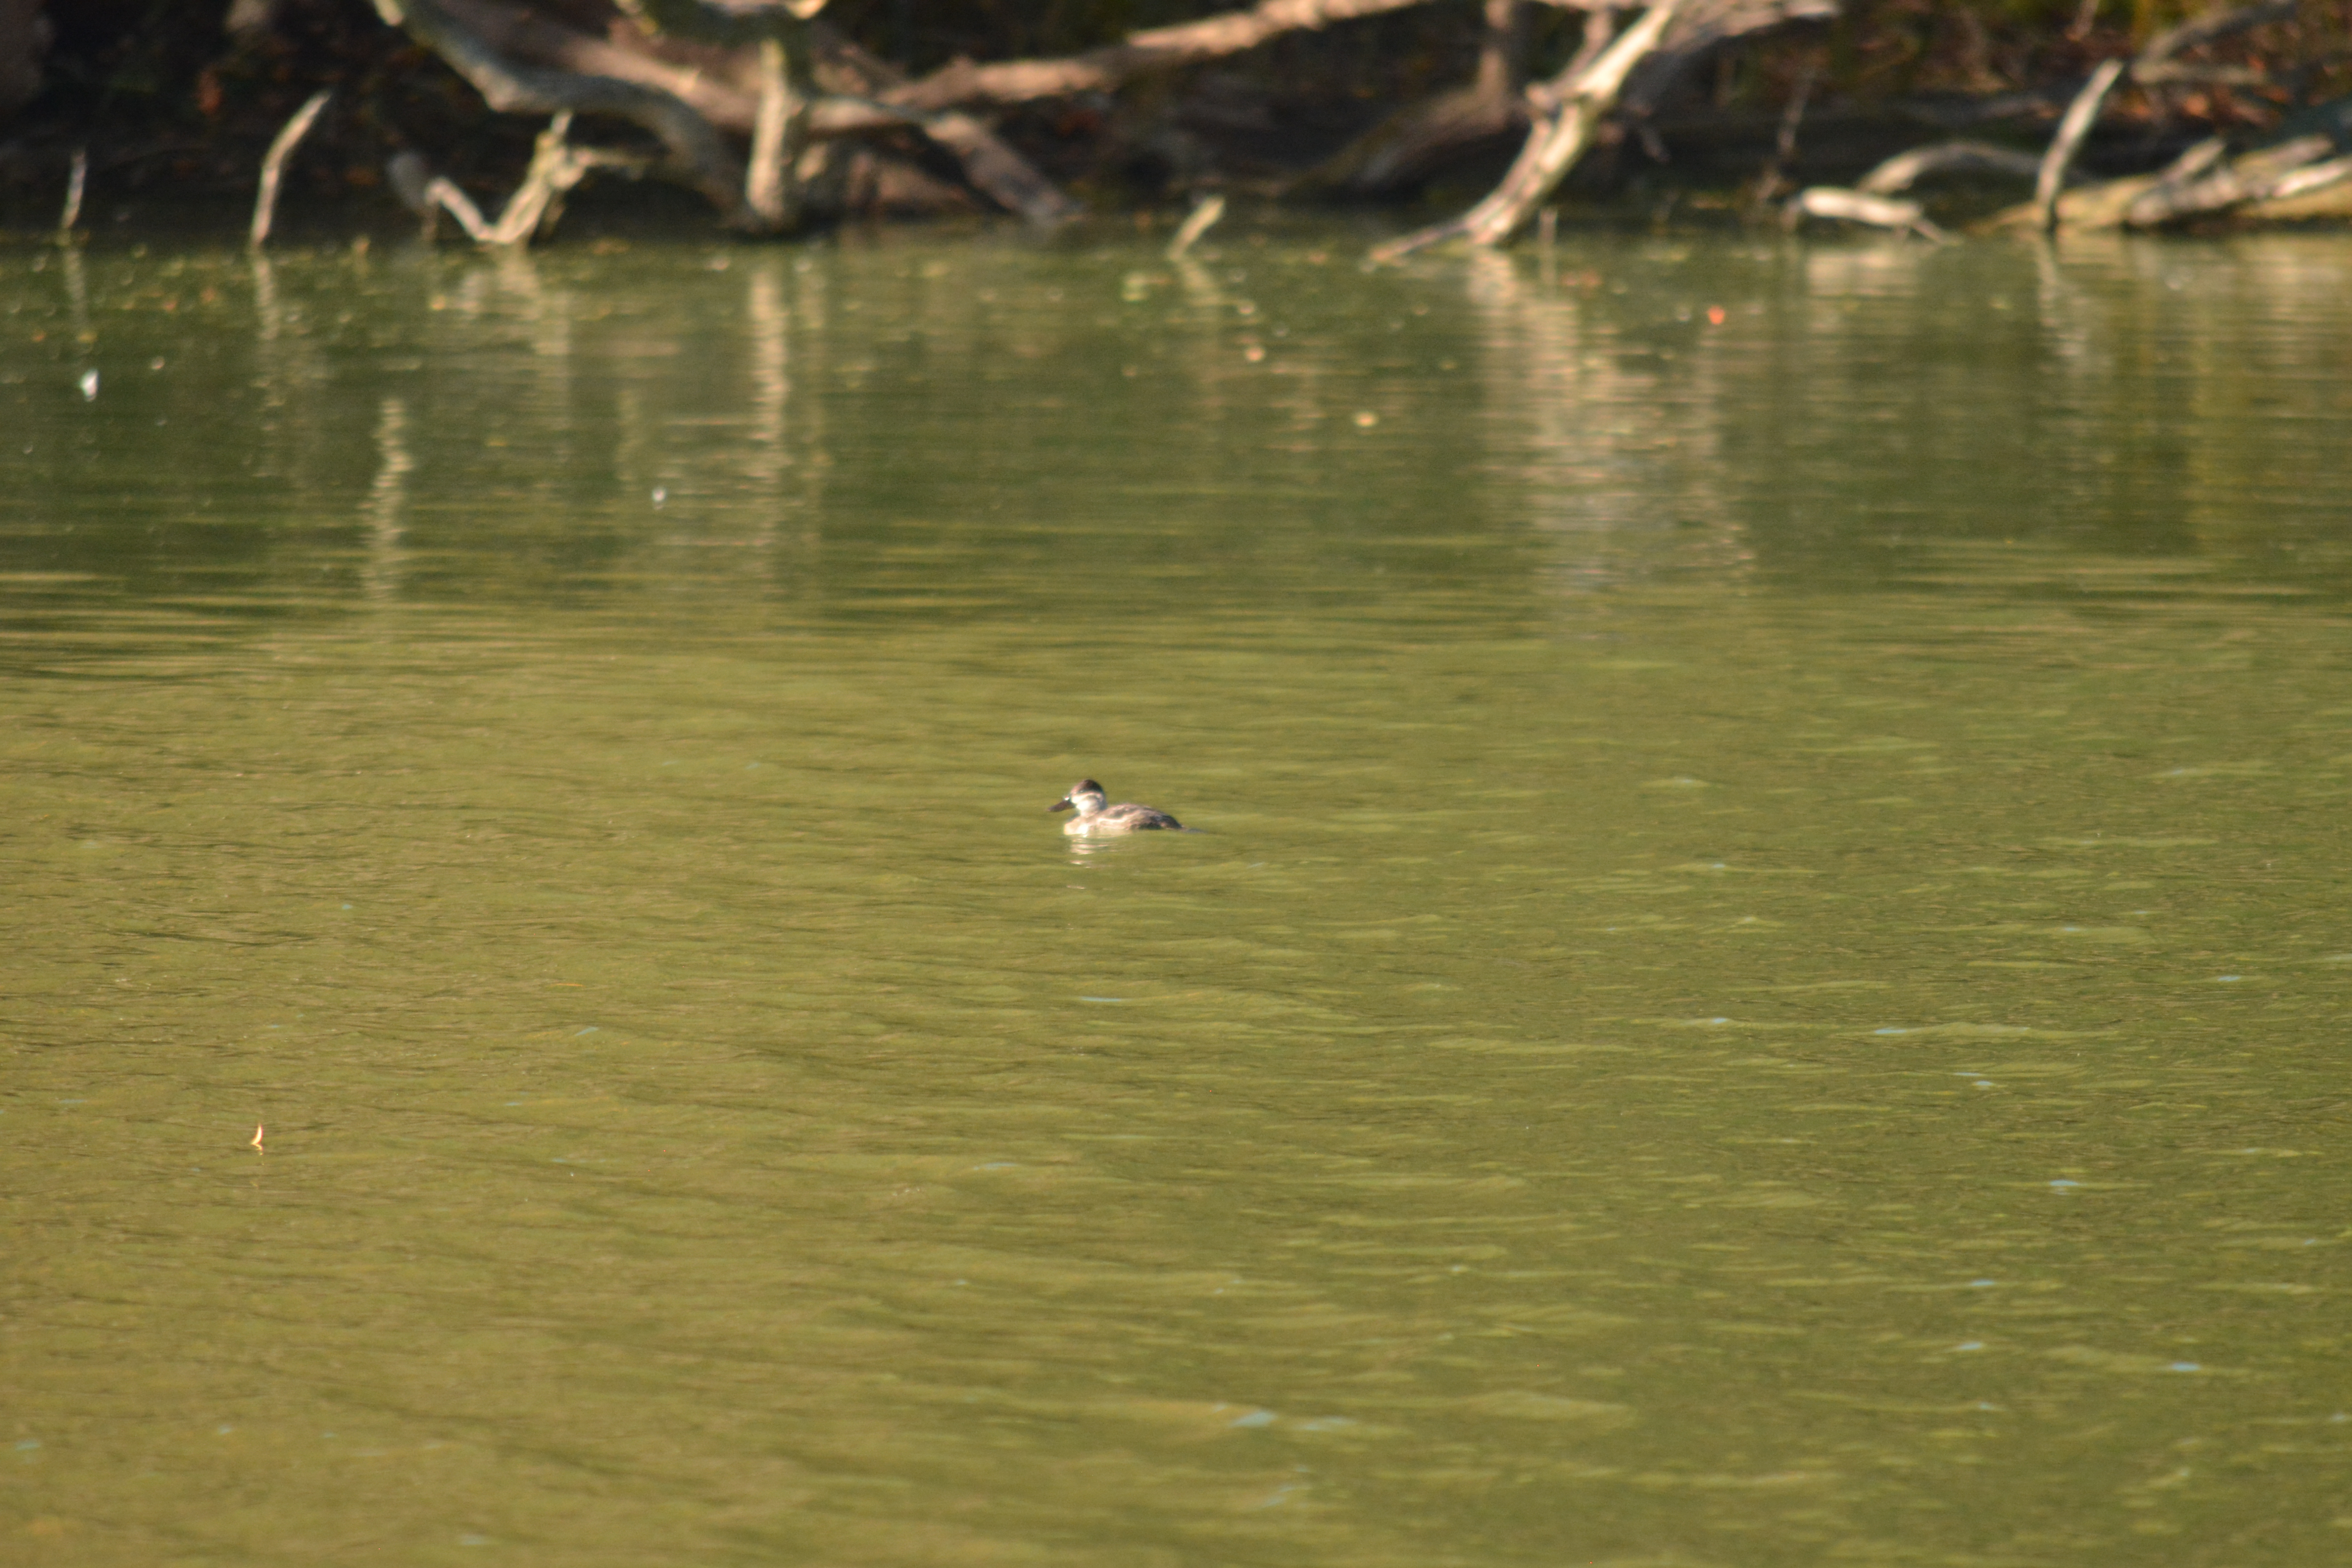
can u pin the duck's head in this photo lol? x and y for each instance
(1085, 798)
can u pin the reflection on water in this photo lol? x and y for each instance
(1759, 982)
(1823, 413)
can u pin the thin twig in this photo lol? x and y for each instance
(273, 165)
(75, 184)
(1202, 219)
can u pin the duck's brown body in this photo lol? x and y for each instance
(1096, 817)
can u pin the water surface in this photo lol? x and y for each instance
(1761, 981)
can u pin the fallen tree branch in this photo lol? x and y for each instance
(273, 165)
(993, 167)
(2184, 190)
(2311, 177)
(556, 166)
(512, 87)
(1900, 173)
(1568, 109)
(2191, 164)
(2199, 183)
(777, 33)
(2080, 116)
(2149, 67)
(770, 188)
(1153, 49)
(2255, 176)
(525, 36)
(1857, 206)
(1653, 53)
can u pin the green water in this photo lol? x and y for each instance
(1762, 982)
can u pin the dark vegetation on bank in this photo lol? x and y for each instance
(1737, 109)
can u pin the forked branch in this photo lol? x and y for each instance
(556, 166)
(514, 88)
(1572, 105)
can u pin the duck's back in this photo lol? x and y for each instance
(1130, 817)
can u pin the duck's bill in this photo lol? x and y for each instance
(1065, 804)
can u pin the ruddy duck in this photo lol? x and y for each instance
(1086, 798)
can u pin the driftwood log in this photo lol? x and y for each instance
(2294, 167)
(1859, 206)
(1874, 199)
(762, 107)
(767, 70)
